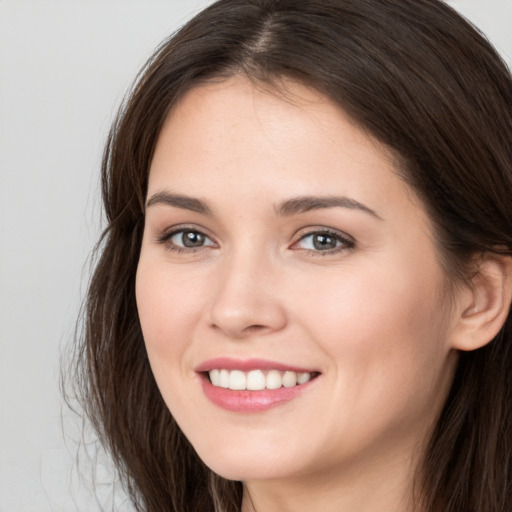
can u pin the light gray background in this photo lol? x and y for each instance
(64, 66)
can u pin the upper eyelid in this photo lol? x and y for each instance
(171, 231)
(305, 232)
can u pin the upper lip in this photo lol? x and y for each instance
(246, 365)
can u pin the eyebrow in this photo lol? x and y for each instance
(293, 206)
(179, 201)
(304, 204)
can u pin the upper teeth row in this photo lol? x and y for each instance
(257, 379)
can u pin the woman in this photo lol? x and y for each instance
(303, 295)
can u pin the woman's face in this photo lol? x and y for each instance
(283, 254)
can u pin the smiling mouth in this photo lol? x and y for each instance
(257, 380)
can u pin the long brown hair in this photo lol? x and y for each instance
(423, 81)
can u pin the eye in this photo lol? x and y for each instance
(186, 240)
(325, 241)
(190, 239)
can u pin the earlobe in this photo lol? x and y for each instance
(485, 303)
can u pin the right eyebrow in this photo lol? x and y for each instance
(179, 201)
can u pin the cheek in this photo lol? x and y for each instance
(383, 329)
(167, 301)
(368, 303)
(169, 307)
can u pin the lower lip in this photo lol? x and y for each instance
(251, 401)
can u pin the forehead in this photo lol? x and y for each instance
(284, 110)
(236, 140)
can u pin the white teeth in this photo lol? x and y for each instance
(256, 379)
(274, 380)
(224, 379)
(289, 379)
(215, 377)
(237, 380)
(302, 378)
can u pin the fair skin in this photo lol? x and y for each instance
(349, 290)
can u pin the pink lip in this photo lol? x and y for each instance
(246, 365)
(249, 401)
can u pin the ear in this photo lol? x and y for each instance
(484, 303)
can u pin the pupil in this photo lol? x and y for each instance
(324, 242)
(192, 239)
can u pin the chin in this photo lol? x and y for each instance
(233, 464)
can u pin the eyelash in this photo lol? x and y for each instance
(345, 243)
(166, 237)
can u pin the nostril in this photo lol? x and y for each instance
(254, 328)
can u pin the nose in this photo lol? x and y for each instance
(247, 299)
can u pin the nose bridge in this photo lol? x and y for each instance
(246, 299)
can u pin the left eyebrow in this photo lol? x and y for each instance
(304, 204)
